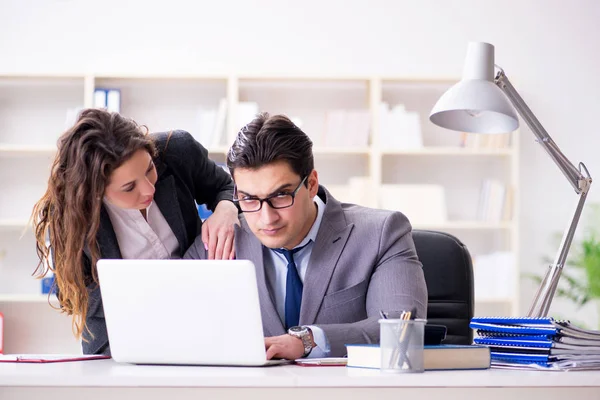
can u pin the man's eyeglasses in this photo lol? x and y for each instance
(276, 201)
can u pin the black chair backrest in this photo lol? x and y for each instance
(449, 276)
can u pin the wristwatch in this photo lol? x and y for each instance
(304, 334)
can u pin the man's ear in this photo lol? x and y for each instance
(313, 183)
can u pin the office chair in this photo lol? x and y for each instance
(449, 277)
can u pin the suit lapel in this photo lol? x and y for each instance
(331, 240)
(323, 260)
(248, 247)
(165, 197)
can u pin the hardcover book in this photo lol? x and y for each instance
(441, 357)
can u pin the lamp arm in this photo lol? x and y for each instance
(580, 182)
(545, 293)
(573, 175)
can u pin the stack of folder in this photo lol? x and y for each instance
(537, 343)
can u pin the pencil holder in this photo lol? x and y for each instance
(401, 344)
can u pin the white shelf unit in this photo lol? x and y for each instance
(461, 171)
(307, 101)
(33, 113)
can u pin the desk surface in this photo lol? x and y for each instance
(106, 379)
(107, 373)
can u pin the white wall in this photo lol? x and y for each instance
(550, 50)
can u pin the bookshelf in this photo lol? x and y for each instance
(35, 110)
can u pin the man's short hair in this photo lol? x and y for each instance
(266, 140)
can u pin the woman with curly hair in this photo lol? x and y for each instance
(116, 191)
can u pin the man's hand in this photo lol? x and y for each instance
(284, 346)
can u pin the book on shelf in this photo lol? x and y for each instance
(219, 126)
(439, 357)
(346, 128)
(543, 342)
(358, 190)
(211, 124)
(113, 100)
(481, 141)
(399, 129)
(100, 98)
(495, 201)
(107, 98)
(205, 126)
(422, 203)
(246, 112)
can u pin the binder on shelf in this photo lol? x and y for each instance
(100, 98)
(113, 100)
(107, 98)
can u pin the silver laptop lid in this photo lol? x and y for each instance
(203, 312)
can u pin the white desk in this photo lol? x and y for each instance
(107, 380)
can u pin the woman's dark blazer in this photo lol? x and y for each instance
(186, 176)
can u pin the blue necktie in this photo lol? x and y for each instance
(293, 288)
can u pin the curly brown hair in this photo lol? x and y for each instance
(67, 217)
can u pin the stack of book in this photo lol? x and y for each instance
(537, 343)
(435, 357)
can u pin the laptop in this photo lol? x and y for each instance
(184, 312)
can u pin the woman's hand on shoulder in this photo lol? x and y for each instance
(218, 231)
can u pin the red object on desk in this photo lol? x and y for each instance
(1, 333)
(49, 358)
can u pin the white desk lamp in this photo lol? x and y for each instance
(479, 103)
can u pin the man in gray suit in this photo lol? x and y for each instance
(325, 269)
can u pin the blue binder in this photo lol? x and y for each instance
(522, 358)
(521, 342)
(541, 341)
(518, 329)
(515, 320)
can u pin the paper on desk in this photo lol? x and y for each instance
(48, 358)
(329, 361)
(536, 367)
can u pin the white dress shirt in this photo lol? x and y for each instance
(142, 238)
(276, 267)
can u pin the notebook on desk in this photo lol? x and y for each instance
(184, 312)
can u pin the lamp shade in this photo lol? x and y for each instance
(476, 104)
